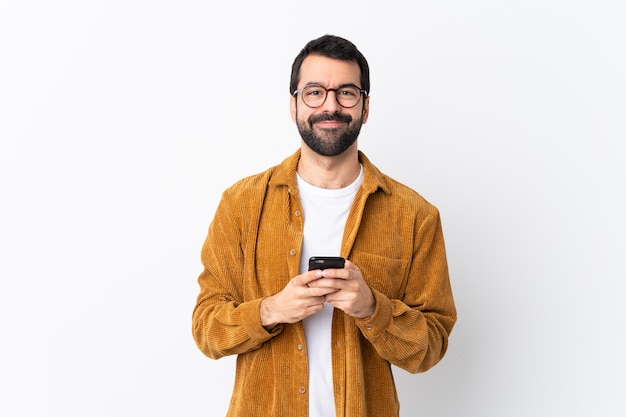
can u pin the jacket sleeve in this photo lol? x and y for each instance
(412, 332)
(223, 323)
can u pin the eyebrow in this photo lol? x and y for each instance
(314, 84)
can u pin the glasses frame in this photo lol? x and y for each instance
(334, 90)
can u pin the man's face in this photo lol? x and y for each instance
(329, 129)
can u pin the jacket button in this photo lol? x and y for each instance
(300, 347)
(297, 213)
(292, 252)
(302, 390)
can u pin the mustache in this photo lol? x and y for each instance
(337, 117)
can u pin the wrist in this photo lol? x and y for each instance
(371, 309)
(266, 315)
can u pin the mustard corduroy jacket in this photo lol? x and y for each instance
(252, 251)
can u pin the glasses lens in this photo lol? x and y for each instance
(313, 95)
(348, 96)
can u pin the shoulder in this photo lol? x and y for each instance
(250, 186)
(409, 202)
(255, 185)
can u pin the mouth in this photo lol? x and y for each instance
(326, 121)
(329, 124)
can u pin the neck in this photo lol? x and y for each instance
(331, 172)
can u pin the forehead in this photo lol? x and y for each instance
(328, 72)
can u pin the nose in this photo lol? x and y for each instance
(331, 105)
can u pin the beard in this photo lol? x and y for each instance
(330, 142)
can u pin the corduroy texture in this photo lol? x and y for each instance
(252, 251)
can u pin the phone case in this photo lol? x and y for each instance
(325, 262)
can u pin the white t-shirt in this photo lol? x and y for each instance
(325, 213)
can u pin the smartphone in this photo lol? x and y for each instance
(325, 262)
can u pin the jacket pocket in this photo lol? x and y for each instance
(387, 275)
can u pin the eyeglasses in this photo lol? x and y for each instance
(347, 96)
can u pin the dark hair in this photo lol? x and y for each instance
(331, 47)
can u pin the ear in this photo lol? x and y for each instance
(366, 109)
(293, 107)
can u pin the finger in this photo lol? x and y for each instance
(316, 300)
(323, 292)
(305, 278)
(336, 273)
(350, 266)
(351, 271)
(331, 284)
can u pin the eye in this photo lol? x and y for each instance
(314, 91)
(348, 92)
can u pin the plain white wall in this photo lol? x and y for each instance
(121, 122)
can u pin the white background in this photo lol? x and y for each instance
(121, 122)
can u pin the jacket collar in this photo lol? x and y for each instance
(285, 174)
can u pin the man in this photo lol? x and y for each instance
(321, 342)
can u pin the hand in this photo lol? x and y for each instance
(347, 290)
(295, 302)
